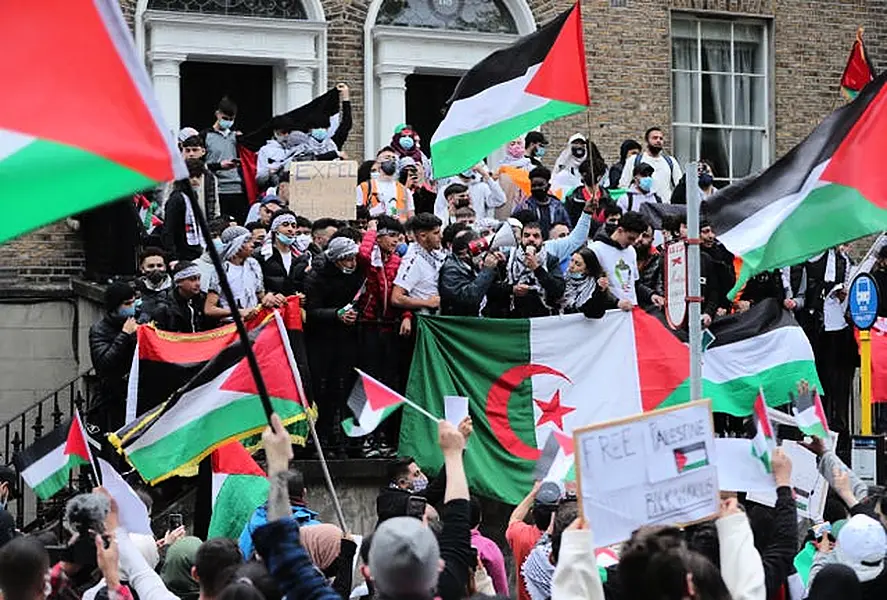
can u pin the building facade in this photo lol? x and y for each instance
(738, 82)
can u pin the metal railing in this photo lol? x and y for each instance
(32, 423)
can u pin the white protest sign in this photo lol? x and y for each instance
(656, 468)
(809, 487)
(323, 188)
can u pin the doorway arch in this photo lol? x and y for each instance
(446, 47)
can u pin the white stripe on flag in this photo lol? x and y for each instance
(11, 142)
(756, 354)
(218, 480)
(47, 466)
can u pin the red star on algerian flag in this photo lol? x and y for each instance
(552, 411)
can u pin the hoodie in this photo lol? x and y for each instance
(302, 515)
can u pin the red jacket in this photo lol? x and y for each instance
(375, 303)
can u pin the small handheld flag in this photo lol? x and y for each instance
(764, 442)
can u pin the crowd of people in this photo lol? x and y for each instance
(513, 240)
(428, 544)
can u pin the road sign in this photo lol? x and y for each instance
(863, 301)
(676, 284)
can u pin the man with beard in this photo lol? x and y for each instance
(717, 270)
(666, 170)
(386, 195)
(547, 208)
(649, 262)
(153, 282)
(533, 282)
(464, 279)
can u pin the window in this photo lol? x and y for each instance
(720, 84)
(488, 16)
(280, 9)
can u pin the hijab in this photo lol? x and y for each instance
(835, 581)
(176, 571)
(323, 543)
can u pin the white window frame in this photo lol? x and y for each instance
(766, 142)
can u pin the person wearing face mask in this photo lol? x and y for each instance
(535, 144)
(222, 159)
(516, 156)
(547, 208)
(566, 167)
(667, 171)
(331, 294)
(153, 282)
(385, 195)
(465, 277)
(279, 254)
(484, 191)
(627, 150)
(641, 189)
(406, 144)
(181, 236)
(590, 190)
(205, 263)
(412, 176)
(112, 342)
(276, 155)
(706, 183)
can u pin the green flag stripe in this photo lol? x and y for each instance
(42, 168)
(50, 486)
(448, 153)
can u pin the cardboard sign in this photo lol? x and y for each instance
(323, 189)
(656, 468)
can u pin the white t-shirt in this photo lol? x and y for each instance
(665, 178)
(418, 273)
(621, 267)
(637, 199)
(387, 193)
(287, 259)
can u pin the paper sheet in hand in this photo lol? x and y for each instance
(809, 487)
(133, 512)
(455, 409)
(739, 470)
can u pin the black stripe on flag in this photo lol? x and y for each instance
(737, 202)
(512, 62)
(761, 317)
(357, 399)
(549, 454)
(43, 446)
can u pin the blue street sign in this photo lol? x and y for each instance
(863, 301)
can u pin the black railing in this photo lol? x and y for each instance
(22, 430)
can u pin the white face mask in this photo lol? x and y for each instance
(303, 240)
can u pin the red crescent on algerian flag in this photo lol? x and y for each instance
(497, 407)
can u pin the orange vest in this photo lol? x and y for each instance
(369, 190)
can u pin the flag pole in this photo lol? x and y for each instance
(229, 298)
(694, 295)
(311, 427)
(95, 472)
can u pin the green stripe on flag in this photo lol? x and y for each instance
(812, 228)
(193, 441)
(43, 168)
(448, 153)
(50, 486)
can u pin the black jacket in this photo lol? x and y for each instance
(455, 550)
(327, 290)
(718, 276)
(503, 303)
(776, 539)
(462, 289)
(180, 314)
(575, 203)
(650, 273)
(111, 351)
(764, 285)
(596, 306)
(174, 239)
(277, 279)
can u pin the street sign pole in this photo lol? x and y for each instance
(865, 380)
(863, 305)
(694, 296)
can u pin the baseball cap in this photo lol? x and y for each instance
(404, 558)
(535, 137)
(549, 494)
(271, 199)
(8, 476)
(187, 132)
(862, 544)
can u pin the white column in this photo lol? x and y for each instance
(299, 84)
(392, 109)
(166, 80)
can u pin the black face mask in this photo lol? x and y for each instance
(540, 194)
(578, 152)
(609, 228)
(388, 167)
(705, 180)
(156, 277)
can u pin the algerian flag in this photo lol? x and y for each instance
(539, 78)
(764, 442)
(47, 463)
(556, 462)
(372, 402)
(826, 191)
(79, 103)
(239, 487)
(810, 414)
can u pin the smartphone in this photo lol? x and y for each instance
(175, 521)
(416, 506)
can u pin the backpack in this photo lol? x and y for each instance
(668, 159)
(630, 196)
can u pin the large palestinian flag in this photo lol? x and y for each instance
(826, 191)
(78, 103)
(220, 404)
(526, 378)
(539, 78)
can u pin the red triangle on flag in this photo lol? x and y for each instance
(565, 442)
(76, 444)
(274, 365)
(663, 361)
(562, 75)
(233, 459)
(378, 395)
(761, 417)
(680, 460)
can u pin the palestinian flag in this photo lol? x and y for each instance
(690, 458)
(239, 487)
(539, 78)
(859, 71)
(826, 191)
(529, 378)
(372, 402)
(46, 465)
(557, 462)
(165, 361)
(80, 93)
(810, 414)
(219, 405)
(764, 442)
